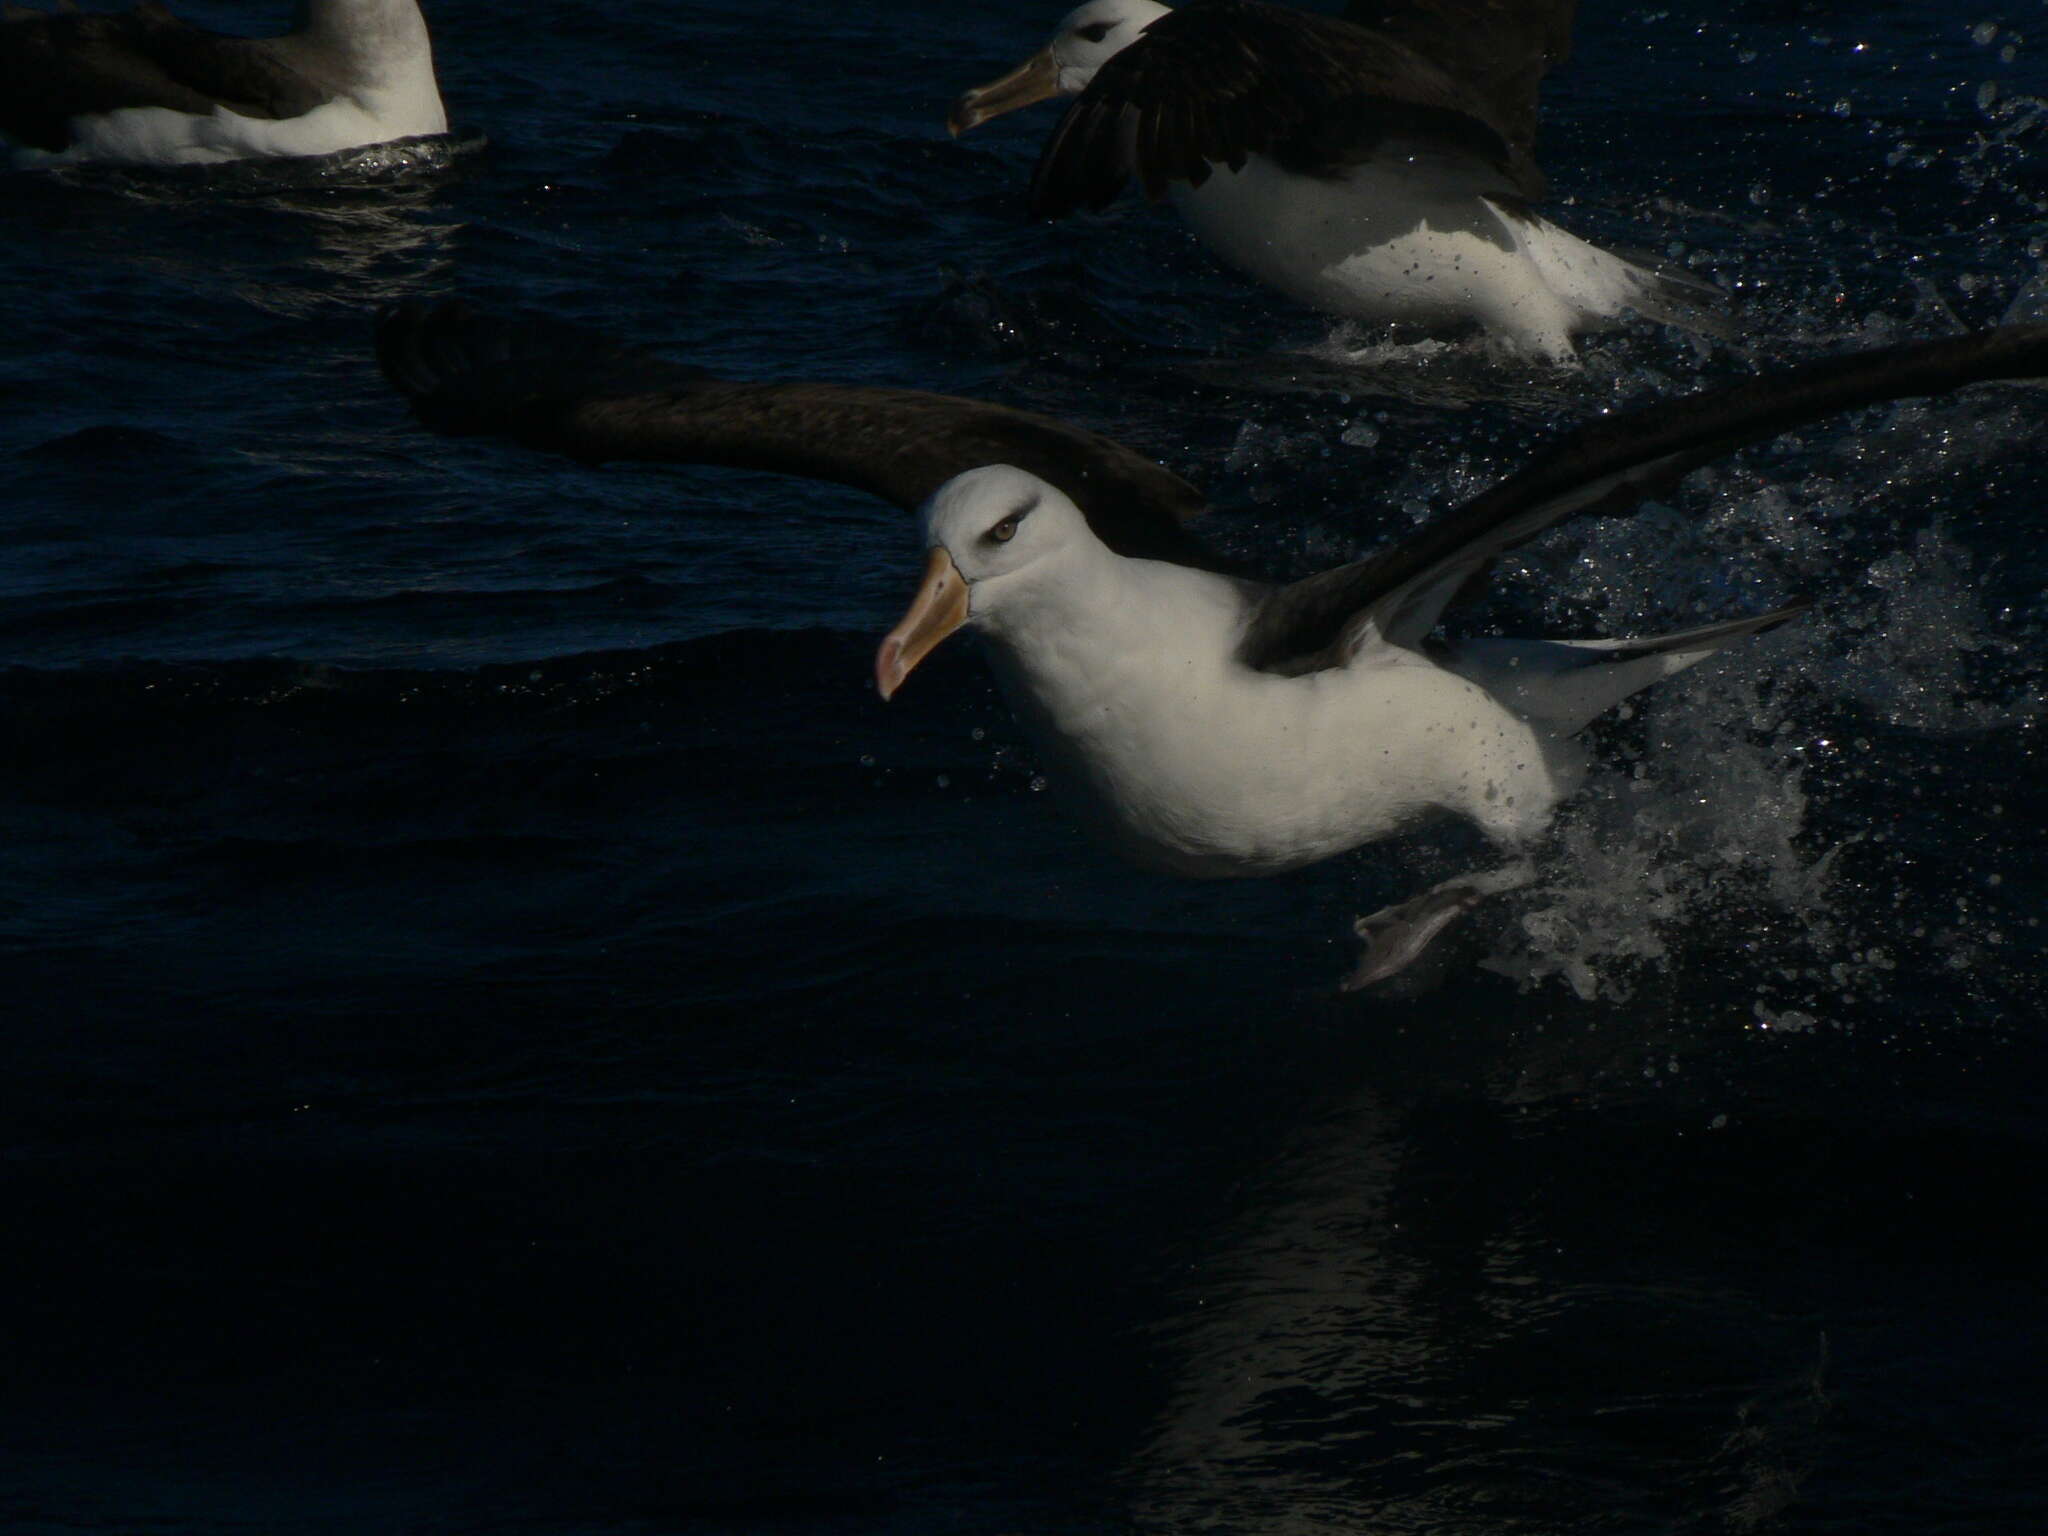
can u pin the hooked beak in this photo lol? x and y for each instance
(1035, 79)
(939, 608)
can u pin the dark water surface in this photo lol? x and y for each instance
(505, 1034)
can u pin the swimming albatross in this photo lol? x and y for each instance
(141, 87)
(1209, 724)
(1381, 166)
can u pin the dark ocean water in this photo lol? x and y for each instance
(504, 1034)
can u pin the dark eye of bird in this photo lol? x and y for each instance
(1004, 531)
(1095, 31)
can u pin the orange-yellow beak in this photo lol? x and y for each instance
(939, 608)
(1035, 79)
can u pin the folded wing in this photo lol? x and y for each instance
(1500, 49)
(1218, 81)
(55, 67)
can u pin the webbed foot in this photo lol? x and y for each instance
(1395, 936)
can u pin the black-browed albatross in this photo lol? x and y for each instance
(141, 87)
(1380, 167)
(1209, 724)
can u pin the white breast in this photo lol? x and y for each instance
(1191, 762)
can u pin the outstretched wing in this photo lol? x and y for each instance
(1220, 80)
(567, 390)
(55, 67)
(1499, 49)
(1604, 468)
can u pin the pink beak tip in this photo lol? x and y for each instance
(889, 668)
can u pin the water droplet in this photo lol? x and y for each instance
(2030, 303)
(945, 781)
(1983, 33)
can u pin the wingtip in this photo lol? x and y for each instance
(1784, 613)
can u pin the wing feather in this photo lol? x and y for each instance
(1218, 81)
(1501, 49)
(1607, 467)
(567, 390)
(57, 66)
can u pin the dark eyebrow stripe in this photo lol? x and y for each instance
(1014, 516)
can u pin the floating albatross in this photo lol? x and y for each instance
(1380, 167)
(141, 87)
(1208, 724)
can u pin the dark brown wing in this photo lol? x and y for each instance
(1219, 80)
(1607, 467)
(57, 67)
(1499, 49)
(571, 391)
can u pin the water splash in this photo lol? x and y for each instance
(395, 163)
(2030, 305)
(1703, 836)
(1703, 830)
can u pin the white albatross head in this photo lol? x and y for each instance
(993, 535)
(1084, 41)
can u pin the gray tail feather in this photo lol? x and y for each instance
(1601, 283)
(1565, 684)
(1696, 643)
(1674, 297)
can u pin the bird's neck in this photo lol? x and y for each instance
(1059, 605)
(362, 27)
(1090, 640)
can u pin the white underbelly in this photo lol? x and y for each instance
(1394, 242)
(1251, 774)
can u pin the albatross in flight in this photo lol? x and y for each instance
(141, 87)
(1381, 166)
(1209, 724)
